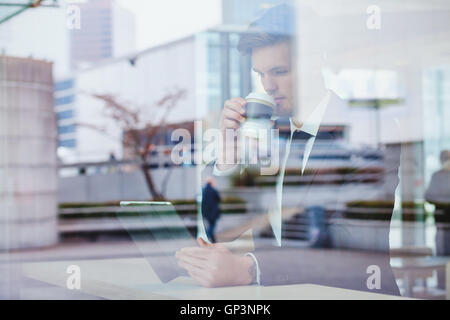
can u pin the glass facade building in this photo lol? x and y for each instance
(64, 99)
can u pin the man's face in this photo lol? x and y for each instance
(273, 64)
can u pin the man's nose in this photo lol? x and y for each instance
(270, 85)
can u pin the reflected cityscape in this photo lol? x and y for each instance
(123, 161)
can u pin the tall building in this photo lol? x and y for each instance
(64, 99)
(106, 30)
(236, 12)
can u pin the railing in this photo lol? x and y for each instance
(325, 178)
(97, 221)
(67, 212)
(160, 157)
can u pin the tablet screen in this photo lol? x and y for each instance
(158, 232)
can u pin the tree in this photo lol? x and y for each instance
(138, 129)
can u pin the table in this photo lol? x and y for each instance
(134, 278)
(410, 268)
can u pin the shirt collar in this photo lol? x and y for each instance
(312, 123)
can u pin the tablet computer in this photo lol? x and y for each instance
(151, 223)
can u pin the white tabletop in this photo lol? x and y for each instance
(134, 278)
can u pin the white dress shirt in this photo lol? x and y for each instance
(311, 126)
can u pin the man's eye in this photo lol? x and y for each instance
(280, 72)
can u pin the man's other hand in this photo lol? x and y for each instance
(214, 265)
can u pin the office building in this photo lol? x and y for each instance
(64, 98)
(106, 30)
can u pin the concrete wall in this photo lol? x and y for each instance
(28, 178)
(118, 186)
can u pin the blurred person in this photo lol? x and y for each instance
(438, 193)
(211, 207)
(213, 265)
(112, 162)
(112, 157)
(439, 188)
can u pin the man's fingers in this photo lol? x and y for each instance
(191, 266)
(208, 245)
(196, 252)
(202, 243)
(230, 123)
(233, 115)
(188, 267)
(241, 100)
(200, 279)
(204, 278)
(193, 261)
(235, 108)
(237, 104)
(201, 253)
(195, 272)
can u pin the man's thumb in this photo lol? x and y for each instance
(202, 243)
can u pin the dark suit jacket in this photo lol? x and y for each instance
(439, 189)
(344, 268)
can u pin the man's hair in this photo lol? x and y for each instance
(276, 25)
(252, 40)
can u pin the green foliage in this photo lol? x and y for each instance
(108, 214)
(251, 178)
(442, 212)
(386, 209)
(379, 103)
(245, 179)
(70, 205)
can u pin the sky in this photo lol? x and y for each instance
(159, 21)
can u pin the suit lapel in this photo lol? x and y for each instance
(310, 173)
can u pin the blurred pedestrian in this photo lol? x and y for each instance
(210, 207)
(113, 162)
(438, 193)
(112, 157)
(439, 189)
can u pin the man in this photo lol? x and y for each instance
(214, 265)
(210, 207)
(439, 189)
(438, 193)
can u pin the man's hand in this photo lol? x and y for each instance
(233, 113)
(213, 265)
